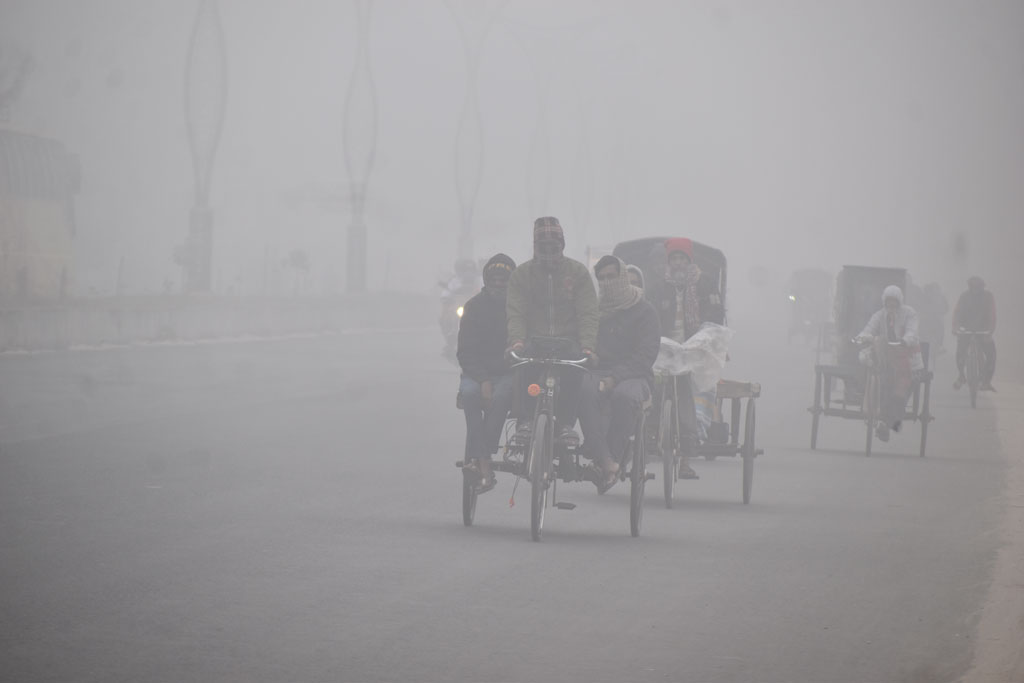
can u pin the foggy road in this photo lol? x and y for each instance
(289, 511)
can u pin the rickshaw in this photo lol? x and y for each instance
(858, 295)
(723, 439)
(537, 455)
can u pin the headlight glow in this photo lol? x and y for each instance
(458, 311)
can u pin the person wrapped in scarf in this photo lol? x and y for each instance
(486, 385)
(680, 314)
(628, 338)
(552, 295)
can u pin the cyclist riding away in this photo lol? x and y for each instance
(628, 338)
(975, 311)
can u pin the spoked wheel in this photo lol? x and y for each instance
(666, 444)
(749, 451)
(638, 479)
(469, 495)
(925, 417)
(972, 375)
(540, 470)
(871, 398)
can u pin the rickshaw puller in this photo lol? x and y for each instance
(895, 322)
(552, 295)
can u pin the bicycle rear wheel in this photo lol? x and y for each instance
(749, 451)
(666, 444)
(973, 372)
(469, 496)
(638, 479)
(540, 471)
(872, 397)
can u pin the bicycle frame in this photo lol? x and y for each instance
(972, 365)
(548, 389)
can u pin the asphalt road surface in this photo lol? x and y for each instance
(289, 511)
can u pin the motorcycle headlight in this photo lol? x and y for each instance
(792, 297)
(458, 311)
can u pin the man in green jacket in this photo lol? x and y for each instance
(553, 296)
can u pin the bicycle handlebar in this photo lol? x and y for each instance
(965, 331)
(522, 360)
(864, 342)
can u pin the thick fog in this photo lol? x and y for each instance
(787, 134)
(248, 476)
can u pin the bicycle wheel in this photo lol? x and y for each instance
(871, 399)
(638, 479)
(748, 451)
(666, 444)
(469, 495)
(540, 470)
(973, 372)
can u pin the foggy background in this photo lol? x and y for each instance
(253, 481)
(788, 134)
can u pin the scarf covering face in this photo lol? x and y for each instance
(617, 294)
(548, 228)
(499, 263)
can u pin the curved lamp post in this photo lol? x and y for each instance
(205, 95)
(469, 148)
(360, 147)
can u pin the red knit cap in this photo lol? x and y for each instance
(682, 244)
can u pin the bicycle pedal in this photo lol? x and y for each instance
(565, 506)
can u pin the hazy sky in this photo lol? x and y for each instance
(787, 133)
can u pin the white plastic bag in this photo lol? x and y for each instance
(702, 355)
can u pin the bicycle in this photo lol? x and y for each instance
(873, 388)
(973, 362)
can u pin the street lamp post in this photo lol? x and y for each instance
(360, 148)
(469, 148)
(205, 95)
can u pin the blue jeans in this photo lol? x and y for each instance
(483, 425)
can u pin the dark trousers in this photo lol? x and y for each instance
(988, 351)
(483, 425)
(609, 418)
(686, 410)
(567, 395)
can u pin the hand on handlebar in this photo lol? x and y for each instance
(513, 351)
(591, 357)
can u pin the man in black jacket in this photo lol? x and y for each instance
(628, 339)
(486, 387)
